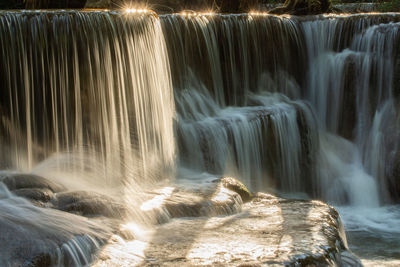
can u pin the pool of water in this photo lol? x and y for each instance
(373, 234)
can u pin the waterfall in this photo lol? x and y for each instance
(86, 100)
(267, 99)
(114, 102)
(86, 85)
(233, 78)
(352, 87)
(288, 103)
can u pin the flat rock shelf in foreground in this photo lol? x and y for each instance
(268, 231)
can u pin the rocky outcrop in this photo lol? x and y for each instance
(35, 233)
(206, 225)
(266, 231)
(88, 204)
(43, 192)
(238, 187)
(220, 197)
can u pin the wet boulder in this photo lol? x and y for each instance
(88, 204)
(238, 187)
(35, 236)
(213, 198)
(267, 231)
(218, 200)
(25, 181)
(41, 195)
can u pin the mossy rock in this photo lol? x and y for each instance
(238, 187)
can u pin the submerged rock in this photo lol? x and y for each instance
(268, 231)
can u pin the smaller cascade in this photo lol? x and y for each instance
(261, 144)
(351, 78)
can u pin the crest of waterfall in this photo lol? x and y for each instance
(232, 55)
(94, 87)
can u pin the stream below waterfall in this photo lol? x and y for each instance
(137, 108)
(373, 234)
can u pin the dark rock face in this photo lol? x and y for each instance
(348, 115)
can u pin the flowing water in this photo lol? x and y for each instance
(298, 105)
(116, 102)
(86, 100)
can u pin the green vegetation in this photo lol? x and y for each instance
(391, 6)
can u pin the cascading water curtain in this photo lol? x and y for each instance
(92, 86)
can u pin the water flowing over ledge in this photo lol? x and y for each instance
(301, 106)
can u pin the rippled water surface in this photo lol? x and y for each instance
(373, 234)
